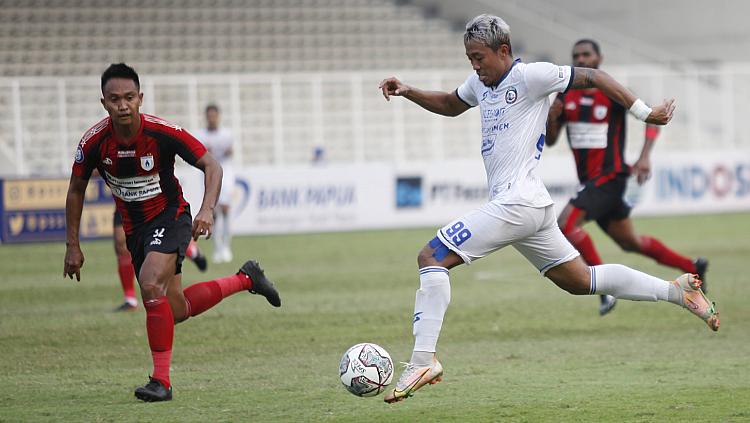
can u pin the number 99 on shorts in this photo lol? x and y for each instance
(458, 233)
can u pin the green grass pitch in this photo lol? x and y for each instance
(514, 347)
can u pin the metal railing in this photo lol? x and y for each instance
(279, 119)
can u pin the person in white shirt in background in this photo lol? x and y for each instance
(219, 142)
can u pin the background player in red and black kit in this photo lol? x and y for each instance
(135, 155)
(596, 134)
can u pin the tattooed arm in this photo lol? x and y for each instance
(595, 78)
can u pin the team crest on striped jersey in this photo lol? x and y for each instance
(147, 162)
(600, 111)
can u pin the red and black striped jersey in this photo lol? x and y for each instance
(596, 134)
(140, 174)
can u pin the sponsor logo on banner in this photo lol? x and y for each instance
(49, 225)
(35, 223)
(37, 194)
(147, 162)
(408, 192)
(315, 196)
(456, 192)
(720, 181)
(241, 197)
(373, 196)
(33, 210)
(15, 222)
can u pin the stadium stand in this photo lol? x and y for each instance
(74, 37)
(53, 51)
(288, 75)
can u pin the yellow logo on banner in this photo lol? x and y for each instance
(41, 194)
(16, 224)
(35, 195)
(96, 220)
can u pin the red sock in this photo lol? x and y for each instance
(202, 296)
(160, 329)
(192, 250)
(583, 243)
(127, 276)
(654, 248)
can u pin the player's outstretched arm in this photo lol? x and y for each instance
(595, 78)
(73, 209)
(203, 221)
(440, 102)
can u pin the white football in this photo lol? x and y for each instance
(366, 369)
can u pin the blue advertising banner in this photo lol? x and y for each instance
(34, 210)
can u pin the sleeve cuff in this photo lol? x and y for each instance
(462, 100)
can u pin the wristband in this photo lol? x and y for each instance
(640, 110)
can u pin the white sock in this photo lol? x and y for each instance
(629, 284)
(421, 358)
(218, 233)
(433, 297)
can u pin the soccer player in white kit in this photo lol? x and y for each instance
(219, 143)
(513, 98)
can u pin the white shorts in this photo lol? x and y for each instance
(227, 186)
(531, 231)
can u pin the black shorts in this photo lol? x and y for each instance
(163, 234)
(604, 202)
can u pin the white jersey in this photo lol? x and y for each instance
(218, 142)
(514, 123)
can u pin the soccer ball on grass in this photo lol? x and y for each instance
(366, 369)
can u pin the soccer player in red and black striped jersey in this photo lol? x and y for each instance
(135, 154)
(596, 134)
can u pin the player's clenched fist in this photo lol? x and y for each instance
(392, 86)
